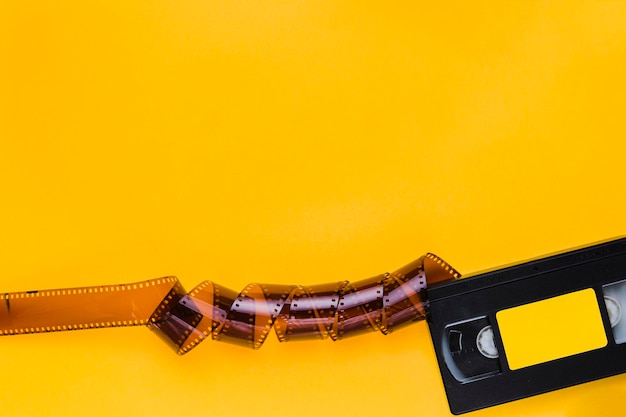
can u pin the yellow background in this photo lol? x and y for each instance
(293, 142)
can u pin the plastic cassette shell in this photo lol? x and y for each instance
(483, 295)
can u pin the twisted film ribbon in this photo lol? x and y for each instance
(335, 310)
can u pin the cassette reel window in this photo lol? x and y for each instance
(470, 349)
(614, 299)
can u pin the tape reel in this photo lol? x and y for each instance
(614, 300)
(469, 350)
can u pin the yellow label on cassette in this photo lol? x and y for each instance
(551, 329)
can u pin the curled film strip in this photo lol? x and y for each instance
(335, 310)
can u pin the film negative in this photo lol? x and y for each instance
(499, 336)
(531, 328)
(325, 311)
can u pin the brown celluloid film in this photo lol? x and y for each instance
(336, 310)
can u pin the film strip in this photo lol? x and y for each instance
(498, 336)
(325, 311)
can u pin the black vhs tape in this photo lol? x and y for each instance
(531, 328)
